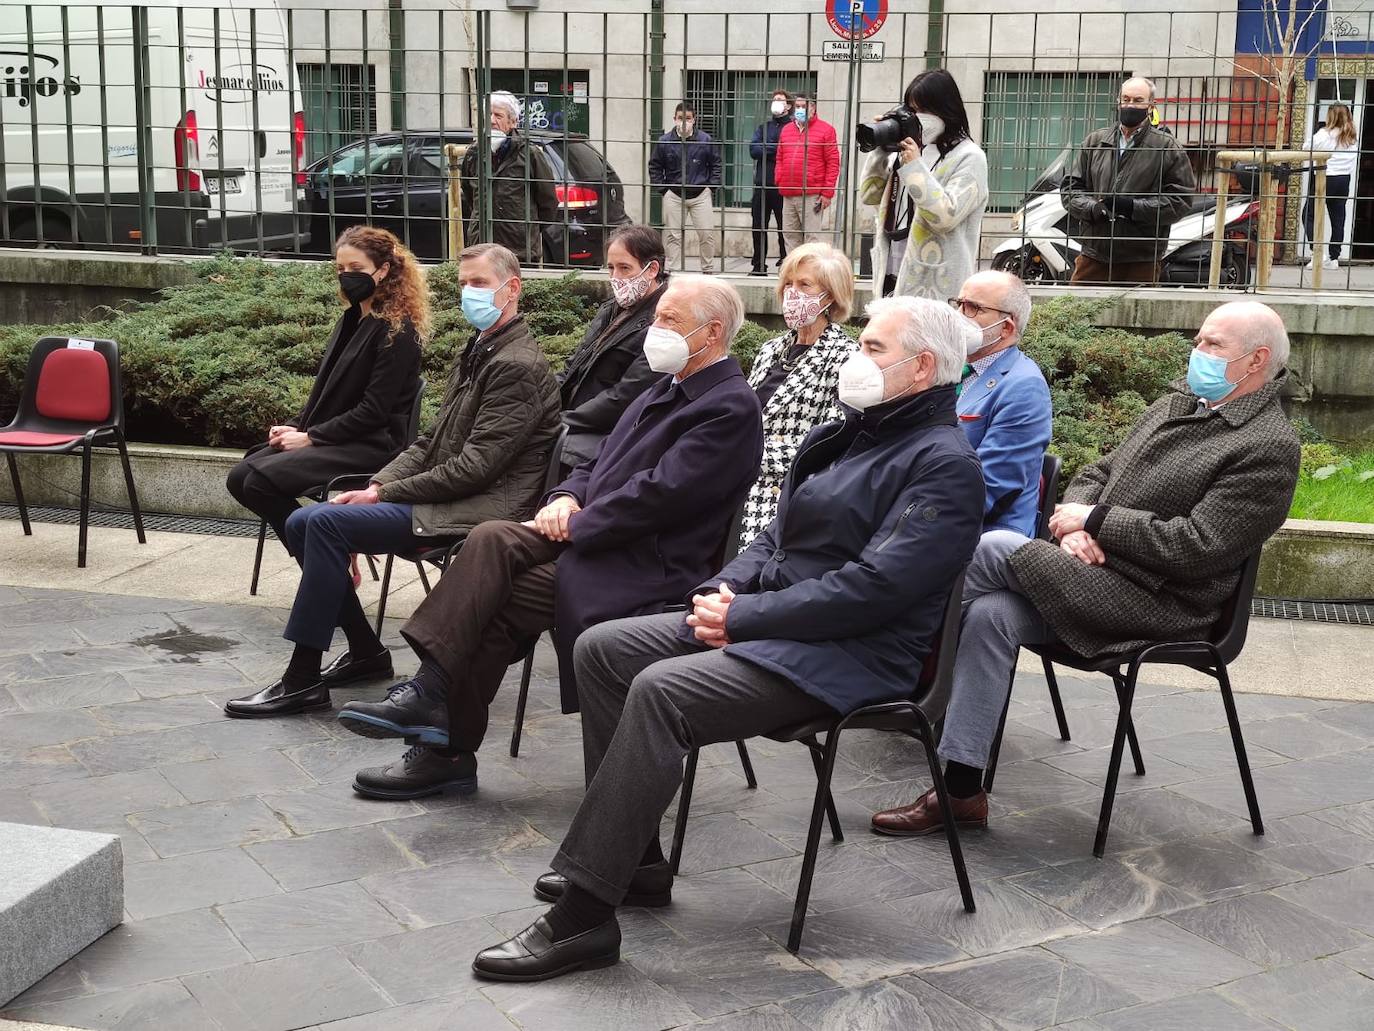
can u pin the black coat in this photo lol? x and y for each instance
(764, 150)
(844, 592)
(359, 408)
(606, 372)
(657, 501)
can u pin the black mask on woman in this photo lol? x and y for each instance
(357, 286)
(1132, 116)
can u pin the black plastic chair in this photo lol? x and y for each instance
(914, 717)
(72, 398)
(1210, 657)
(321, 494)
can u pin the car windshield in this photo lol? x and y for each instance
(373, 159)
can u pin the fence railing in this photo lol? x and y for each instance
(269, 129)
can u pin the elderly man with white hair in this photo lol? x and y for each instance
(521, 193)
(833, 606)
(1150, 541)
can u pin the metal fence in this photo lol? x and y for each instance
(268, 128)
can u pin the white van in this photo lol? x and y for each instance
(222, 128)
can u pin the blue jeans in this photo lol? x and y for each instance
(322, 537)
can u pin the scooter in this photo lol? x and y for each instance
(1040, 249)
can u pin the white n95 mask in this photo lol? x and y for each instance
(667, 350)
(862, 382)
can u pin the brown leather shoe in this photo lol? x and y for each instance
(923, 815)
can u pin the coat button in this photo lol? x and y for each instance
(777, 492)
(779, 555)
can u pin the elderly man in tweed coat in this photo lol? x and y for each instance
(1150, 542)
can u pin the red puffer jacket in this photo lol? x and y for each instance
(809, 162)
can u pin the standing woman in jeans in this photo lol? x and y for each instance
(930, 197)
(1337, 137)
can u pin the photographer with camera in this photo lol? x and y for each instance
(929, 182)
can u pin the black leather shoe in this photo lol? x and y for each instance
(405, 712)
(348, 670)
(419, 773)
(278, 701)
(651, 886)
(533, 955)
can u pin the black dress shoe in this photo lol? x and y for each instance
(348, 670)
(406, 712)
(651, 886)
(278, 700)
(417, 774)
(533, 955)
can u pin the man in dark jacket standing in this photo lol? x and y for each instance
(1128, 186)
(766, 203)
(629, 532)
(685, 167)
(485, 459)
(1150, 542)
(834, 606)
(522, 196)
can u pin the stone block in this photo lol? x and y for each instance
(60, 890)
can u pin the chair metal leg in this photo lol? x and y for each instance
(824, 771)
(990, 772)
(817, 751)
(1125, 692)
(257, 557)
(372, 567)
(386, 586)
(684, 802)
(1242, 760)
(748, 766)
(956, 852)
(424, 577)
(1130, 733)
(129, 486)
(85, 505)
(18, 494)
(1055, 700)
(520, 705)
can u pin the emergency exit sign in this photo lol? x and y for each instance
(839, 50)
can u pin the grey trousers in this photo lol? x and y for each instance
(648, 699)
(998, 619)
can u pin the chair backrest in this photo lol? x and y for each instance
(1049, 491)
(937, 674)
(730, 548)
(553, 475)
(72, 382)
(1228, 634)
(413, 428)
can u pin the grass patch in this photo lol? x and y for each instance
(1335, 487)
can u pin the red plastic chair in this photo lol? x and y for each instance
(72, 399)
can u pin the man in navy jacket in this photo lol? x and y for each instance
(627, 533)
(1004, 402)
(834, 606)
(766, 202)
(684, 167)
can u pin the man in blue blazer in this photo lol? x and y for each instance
(632, 531)
(1004, 403)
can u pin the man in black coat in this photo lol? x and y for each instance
(834, 606)
(766, 203)
(628, 533)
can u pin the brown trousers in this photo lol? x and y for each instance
(492, 602)
(1133, 273)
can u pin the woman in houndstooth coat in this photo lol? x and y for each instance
(795, 374)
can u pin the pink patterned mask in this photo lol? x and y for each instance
(631, 289)
(799, 309)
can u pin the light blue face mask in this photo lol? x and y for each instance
(1207, 376)
(479, 306)
(800, 115)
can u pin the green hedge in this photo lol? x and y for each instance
(218, 360)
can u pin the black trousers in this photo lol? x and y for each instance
(764, 206)
(1337, 190)
(255, 492)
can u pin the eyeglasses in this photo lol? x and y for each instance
(973, 309)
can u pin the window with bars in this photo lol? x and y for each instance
(1030, 118)
(340, 106)
(730, 106)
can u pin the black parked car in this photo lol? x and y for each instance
(401, 180)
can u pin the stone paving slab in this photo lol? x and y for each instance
(261, 893)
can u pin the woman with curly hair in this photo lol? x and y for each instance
(356, 417)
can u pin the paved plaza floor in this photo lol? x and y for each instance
(262, 894)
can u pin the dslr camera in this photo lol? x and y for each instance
(887, 131)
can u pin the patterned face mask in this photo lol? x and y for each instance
(800, 309)
(631, 289)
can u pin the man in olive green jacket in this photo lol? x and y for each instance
(484, 459)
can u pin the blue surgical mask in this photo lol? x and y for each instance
(1207, 376)
(799, 115)
(479, 306)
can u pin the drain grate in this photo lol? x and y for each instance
(1352, 613)
(151, 521)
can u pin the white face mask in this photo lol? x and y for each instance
(988, 335)
(497, 138)
(667, 350)
(932, 127)
(862, 382)
(779, 108)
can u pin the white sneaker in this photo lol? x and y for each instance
(1311, 265)
(1331, 263)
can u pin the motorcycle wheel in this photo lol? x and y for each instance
(1235, 271)
(1026, 264)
